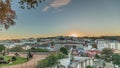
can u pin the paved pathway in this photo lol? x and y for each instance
(30, 64)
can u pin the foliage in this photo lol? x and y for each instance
(64, 50)
(106, 54)
(94, 46)
(38, 40)
(89, 67)
(50, 60)
(17, 49)
(52, 43)
(97, 56)
(116, 59)
(37, 50)
(2, 47)
(8, 15)
(19, 60)
(61, 38)
(29, 3)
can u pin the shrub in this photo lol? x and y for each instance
(89, 66)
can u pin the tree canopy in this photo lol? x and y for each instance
(51, 60)
(107, 53)
(8, 15)
(2, 47)
(64, 50)
(116, 59)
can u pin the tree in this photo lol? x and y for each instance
(61, 38)
(116, 59)
(106, 53)
(38, 40)
(32, 49)
(97, 56)
(8, 15)
(52, 44)
(64, 50)
(94, 46)
(51, 60)
(2, 47)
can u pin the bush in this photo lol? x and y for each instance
(89, 66)
(1, 58)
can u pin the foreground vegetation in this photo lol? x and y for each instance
(19, 60)
(51, 60)
(2, 47)
(109, 56)
(20, 49)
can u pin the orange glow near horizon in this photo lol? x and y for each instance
(74, 35)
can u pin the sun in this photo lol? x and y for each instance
(74, 35)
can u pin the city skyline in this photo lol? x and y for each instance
(66, 18)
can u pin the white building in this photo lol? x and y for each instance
(81, 62)
(27, 47)
(114, 45)
(101, 44)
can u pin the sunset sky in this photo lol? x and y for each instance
(65, 17)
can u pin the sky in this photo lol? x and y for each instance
(65, 17)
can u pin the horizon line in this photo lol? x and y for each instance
(58, 36)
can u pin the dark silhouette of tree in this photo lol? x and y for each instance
(64, 50)
(8, 15)
(61, 38)
(29, 3)
(2, 47)
(94, 46)
(97, 56)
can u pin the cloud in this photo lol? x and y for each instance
(45, 8)
(56, 4)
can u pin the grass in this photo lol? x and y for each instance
(20, 60)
